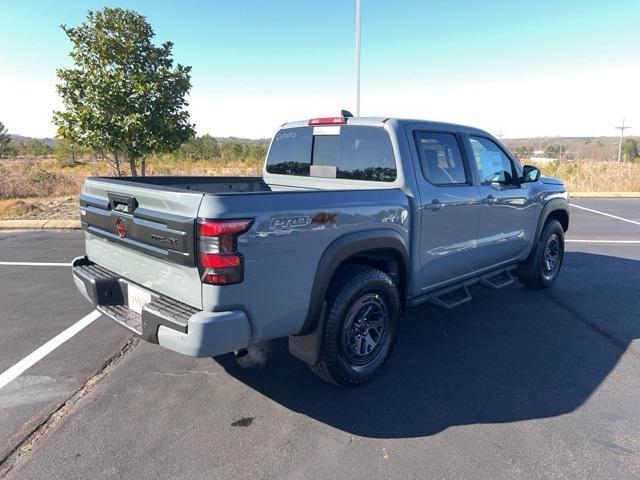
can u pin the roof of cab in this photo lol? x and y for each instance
(380, 121)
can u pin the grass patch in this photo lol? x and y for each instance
(43, 189)
(587, 176)
(47, 208)
(7, 207)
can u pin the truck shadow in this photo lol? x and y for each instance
(508, 355)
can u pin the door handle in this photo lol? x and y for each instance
(122, 203)
(434, 205)
(489, 199)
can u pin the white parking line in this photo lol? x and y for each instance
(606, 214)
(36, 264)
(584, 240)
(14, 372)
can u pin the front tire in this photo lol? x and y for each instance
(360, 326)
(542, 267)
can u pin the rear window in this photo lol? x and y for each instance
(324, 155)
(290, 152)
(365, 153)
(353, 152)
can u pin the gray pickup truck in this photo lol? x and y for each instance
(353, 221)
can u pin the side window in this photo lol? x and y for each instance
(494, 166)
(290, 152)
(440, 158)
(365, 153)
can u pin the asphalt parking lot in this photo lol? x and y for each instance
(515, 384)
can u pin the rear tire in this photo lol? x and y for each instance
(360, 326)
(542, 267)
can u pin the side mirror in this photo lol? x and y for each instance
(530, 174)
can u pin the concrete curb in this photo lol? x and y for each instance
(39, 224)
(604, 194)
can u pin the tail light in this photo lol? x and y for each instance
(220, 261)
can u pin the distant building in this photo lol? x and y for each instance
(542, 160)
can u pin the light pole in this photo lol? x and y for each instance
(357, 58)
(622, 129)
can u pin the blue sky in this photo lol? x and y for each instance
(522, 68)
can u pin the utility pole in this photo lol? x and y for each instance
(560, 153)
(622, 129)
(357, 58)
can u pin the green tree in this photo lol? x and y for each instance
(550, 151)
(209, 147)
(554, 151)
(35, 148)
(630, 149)
(521, 151)
(5, 139)
(124, 95)
(67, 153)
(231, 151)
(200, 148)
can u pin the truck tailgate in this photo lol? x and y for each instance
(145, 234)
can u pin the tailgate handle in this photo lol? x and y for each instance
(122, 203)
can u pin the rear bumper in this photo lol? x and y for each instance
(165, 321)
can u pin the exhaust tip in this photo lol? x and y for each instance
(241, 353)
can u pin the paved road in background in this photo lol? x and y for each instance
(515, 384)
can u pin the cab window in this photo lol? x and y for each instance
(493, 164)
(440, 158)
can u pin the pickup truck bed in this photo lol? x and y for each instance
(217, 185)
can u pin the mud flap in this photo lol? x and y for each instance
(307, 347)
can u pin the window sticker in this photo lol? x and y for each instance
(491, 163)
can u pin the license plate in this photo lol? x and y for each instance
(137, 298)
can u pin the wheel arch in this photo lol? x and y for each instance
(557, 209)
(562, 216)
(381, 248)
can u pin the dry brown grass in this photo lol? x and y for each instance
(587, 176)
(26, 180)
(43, 189)
(31, 189)
(218, 170)
(8, 206)
(46, 208)
(21, 179)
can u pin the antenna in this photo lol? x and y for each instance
(622, 129)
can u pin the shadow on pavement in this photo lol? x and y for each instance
(508, 355)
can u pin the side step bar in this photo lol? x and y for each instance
(497, 281)
(451, 297)
(457, 294)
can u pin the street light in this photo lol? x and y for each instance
(357, 58)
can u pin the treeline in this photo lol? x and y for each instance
(595, 148)
(202, 148)
(206, 147)
(550, 151)
(30, 148)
